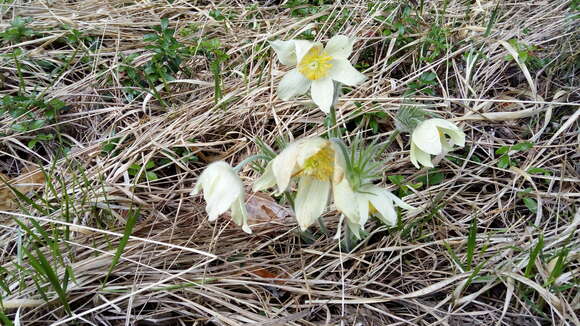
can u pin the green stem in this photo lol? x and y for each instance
(332, 132)
(323, 227)
(333, 129)
(252, 158)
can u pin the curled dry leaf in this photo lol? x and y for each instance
(262, 208)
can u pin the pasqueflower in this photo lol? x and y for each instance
(317, 68)
(432, 137)
(223, 190)
(367, 200)
(317, 164)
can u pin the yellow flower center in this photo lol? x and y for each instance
(372, 209)
(320, 165)
(315, 64)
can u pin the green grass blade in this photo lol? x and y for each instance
(131, 221)
(471, 244)
(533, 255)
(4, 319)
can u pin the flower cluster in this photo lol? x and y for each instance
(314, 171)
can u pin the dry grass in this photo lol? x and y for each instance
(177, 269)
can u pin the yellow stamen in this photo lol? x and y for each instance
(320, 165)
(315, 64)
(372, 209)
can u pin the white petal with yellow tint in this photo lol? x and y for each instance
(426, 137)
(339, 46)
(286, 51)
(311, 200)
(293, 84)
(284, 165)
(221, 187)
(418, 156)
(339, 163)
(322, 92)
(398, 201)
(309, 147)
(450, 129)
(362, 201)
(383, 204)
(302, 47)
(343, 71)
(240, 215)
(344, 200)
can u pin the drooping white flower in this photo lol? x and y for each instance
(429, 138)
(368, 200)
(317, 163)
(223, 190)
(316, 68)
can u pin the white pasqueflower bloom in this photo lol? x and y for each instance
(223, 190)
(429, 138)
(368, 200)
(316, 68)
(317, 163)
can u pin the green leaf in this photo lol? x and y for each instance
(502, 150)
(533, 170)
(56, 104)
(396, 179)
(131, 221)
(37, 124)
(522, 146)
(531, 204)
(428, 76)
(504, 162)
(559, 267)
(134, 169)
(151, 176)
(533, 255)
(149, 165)
(146, 38)
(471, 243)
(164, 23)
(431, 178)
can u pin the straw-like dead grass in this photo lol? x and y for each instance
(177, 269)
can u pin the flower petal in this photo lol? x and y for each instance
(221, 187)
(283, 166)
(362, 201)
(343, 71)
(384, 206)
(196, 188)
(286, 51)
(417, 155)
(339, 163)
(343, 200)
(311, 200)
(398, 201)
(302, 47)
(450, 129)
(267, 180)
(322, 92)
(240, 214)
(457, 136)
(308, 147)
(426, 137)
(292, 84)
(354, 228)
(339, 46)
